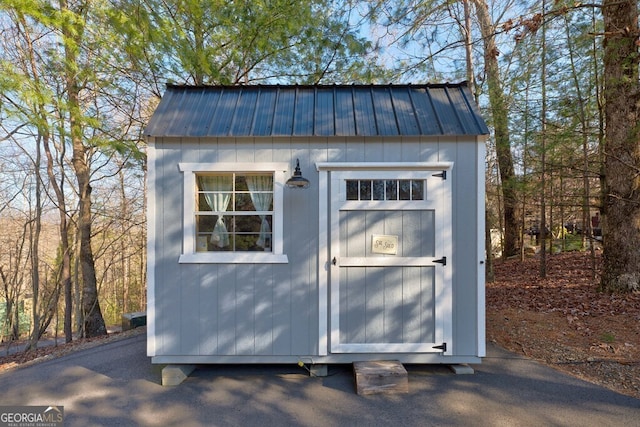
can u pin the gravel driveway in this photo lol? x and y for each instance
(115, 384)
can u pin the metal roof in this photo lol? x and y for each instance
(335, 110)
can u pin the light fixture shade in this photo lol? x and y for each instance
(297, 180)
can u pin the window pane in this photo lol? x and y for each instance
(250, 223)
(378, 189)
(249, 242)
(219, 182)
(244, 202)
(213, 235)
(203, 205)
(205, 243)
(205, 223)
(352, 189)
(392, 189)
(214, 244)
(260, 193)
(214, 192)
(405, 189)
(241, 183)
(217, 202)
(365, 190)
(417, 190)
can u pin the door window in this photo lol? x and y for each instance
(385, 189)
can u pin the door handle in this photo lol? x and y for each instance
(334, 261)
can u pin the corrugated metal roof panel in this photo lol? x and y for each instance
(244, 114)
(283, 117)
(303, 115)
(265, 111)
(340, 110)
(385, 114)
(345, 118)
(465, 110)
(426, 116)
(445, 112)
(198, 118)
(405, 112)
(324, 112)
(364, 112)
(223, 116)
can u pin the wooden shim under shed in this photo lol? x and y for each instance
(383, 376)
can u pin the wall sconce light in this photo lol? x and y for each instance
(297, 180)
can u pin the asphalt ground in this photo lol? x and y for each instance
(115, 384)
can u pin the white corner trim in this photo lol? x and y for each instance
(481, 319)
(151, 249)
(323, 264)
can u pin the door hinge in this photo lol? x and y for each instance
(442, 175)
(442, 260)
(442, 347)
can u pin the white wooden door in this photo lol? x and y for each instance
(389, 266)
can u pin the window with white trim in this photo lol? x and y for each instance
(233, 212)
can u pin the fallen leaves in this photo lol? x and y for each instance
(564, 321)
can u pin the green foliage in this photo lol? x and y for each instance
(607, 337)
(33, 82)
(23, 317)
(221, 42)
(570, 243)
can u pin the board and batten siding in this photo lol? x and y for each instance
(225, 313)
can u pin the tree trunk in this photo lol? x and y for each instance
(468, 44)
(587, 228)
(64, 278)
(500, 117)
(34, 239)
(621, 210)
(93, 322)
(124, 251)
(12, 309)
(543, 154)
(77, 291)
(92, 315)
(600, 104)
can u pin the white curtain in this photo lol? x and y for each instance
(218, 202)
(261, 192)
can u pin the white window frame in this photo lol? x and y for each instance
(191, 256)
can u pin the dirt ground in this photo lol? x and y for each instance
(561, 321)
(564, 322)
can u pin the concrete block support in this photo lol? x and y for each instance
(175, 374)
(462, 369)
(319, 370)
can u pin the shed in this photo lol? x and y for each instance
(380, 257)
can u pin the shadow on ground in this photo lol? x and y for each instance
(115, 384)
